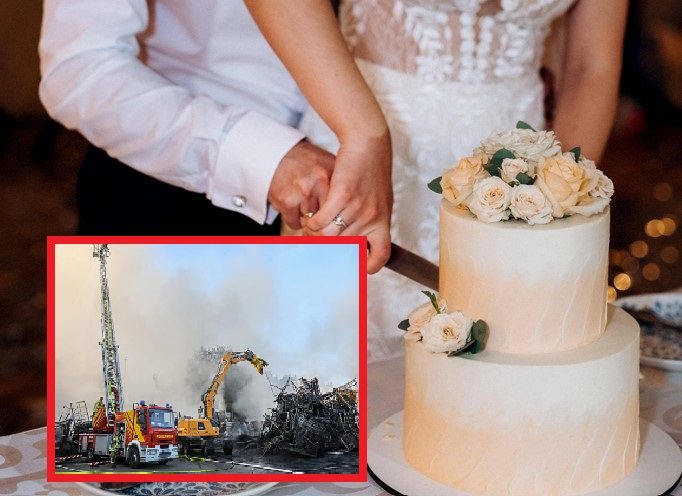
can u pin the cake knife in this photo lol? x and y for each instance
(412, 266)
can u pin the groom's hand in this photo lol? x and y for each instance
(301, 182)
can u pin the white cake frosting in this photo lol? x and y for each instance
(541, 289)
(512, 424)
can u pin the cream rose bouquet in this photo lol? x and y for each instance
(444, 332)
(523, 174)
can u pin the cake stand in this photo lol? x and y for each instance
(657, 472)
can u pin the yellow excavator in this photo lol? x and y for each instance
(202, 434)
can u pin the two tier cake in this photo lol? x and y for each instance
(550, 406)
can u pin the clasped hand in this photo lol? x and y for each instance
(350, 194)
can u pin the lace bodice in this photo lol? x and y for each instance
(451, 40)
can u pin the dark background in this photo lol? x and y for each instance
(39, 160)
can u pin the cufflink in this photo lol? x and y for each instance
(239, 201)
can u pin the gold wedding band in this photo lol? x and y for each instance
(308, 215)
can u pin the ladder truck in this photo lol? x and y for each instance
(146, 433)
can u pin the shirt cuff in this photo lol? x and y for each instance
(248, 157)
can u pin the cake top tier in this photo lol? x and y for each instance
(523, 174)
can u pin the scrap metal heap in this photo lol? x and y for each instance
(309, 423)
(73, 421)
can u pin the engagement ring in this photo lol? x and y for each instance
(338, 221)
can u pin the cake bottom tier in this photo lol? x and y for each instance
(524, 425)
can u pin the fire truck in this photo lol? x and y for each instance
(146, 434)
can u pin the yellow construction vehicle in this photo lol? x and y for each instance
(202, 433)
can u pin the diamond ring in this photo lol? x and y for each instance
(338, 221)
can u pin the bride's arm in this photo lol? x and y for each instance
(588, 95)
(306, 37)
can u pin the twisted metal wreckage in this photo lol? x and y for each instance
(310, 423)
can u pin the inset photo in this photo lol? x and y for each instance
(206, 359)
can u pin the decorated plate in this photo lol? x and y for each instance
(660, 345)
(181, 489)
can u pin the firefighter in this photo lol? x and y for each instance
(113, 449)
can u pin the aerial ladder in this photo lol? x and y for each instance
(144, 433)
(103, 416)
(201, 433)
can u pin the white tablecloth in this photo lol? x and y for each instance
(23, 455)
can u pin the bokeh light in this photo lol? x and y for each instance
(663, 192)
(651, 272)
(654, 228)
(611, 294)
(670, 254)
(622, 282)
(639, 249)
(669, 226)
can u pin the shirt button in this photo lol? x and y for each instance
(239, 201)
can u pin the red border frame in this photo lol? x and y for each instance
(360, 476)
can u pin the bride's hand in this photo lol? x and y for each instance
(360, 197)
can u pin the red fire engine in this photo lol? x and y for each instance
(146, 434)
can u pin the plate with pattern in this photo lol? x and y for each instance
(660, 345)
(179, 488)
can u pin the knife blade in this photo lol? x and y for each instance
(412, 266)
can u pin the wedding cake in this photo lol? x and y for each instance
(539, 396)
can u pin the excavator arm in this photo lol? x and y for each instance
(230, 358)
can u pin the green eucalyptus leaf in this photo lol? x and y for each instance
(479, 334)
(495, 163)
(493, 170)
(434, 300)
(404, 324)
(524, 125)
(524, 178)
(434, 185)
(576, 152)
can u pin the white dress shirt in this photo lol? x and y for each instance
(185, 91)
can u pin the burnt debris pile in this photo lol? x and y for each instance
(309, 423)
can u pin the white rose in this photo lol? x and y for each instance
(446, 332)
(421, 316)
(524, 143)
(490, 199)
(587, 163)
(604, 187)
(511, 167)
(530, 204)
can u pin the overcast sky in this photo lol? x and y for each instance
(294, 305)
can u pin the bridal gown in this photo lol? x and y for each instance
(446, 73)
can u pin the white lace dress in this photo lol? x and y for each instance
(446, 73)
